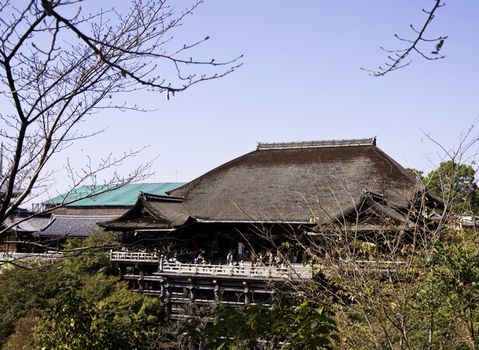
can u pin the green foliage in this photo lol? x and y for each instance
(22, 339)
(22, 290)
(456, 183)
(66, 323)
(88, 256)
(455, 279)
(119, 319)
(78, 305)
(418, 174)
(286, 324)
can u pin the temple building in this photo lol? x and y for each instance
(217, 238)
(279, 188)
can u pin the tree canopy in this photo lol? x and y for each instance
(456, 184)
(76, 304)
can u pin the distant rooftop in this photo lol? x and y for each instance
(65, 226)
(123, 196)
(317, 144)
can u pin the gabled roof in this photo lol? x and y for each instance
(370, 210)
(288, 182)
(108, 195)
(152, 211)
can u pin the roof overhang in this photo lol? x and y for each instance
(226, 221)
(153, 230)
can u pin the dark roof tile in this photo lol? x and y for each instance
(72, 226)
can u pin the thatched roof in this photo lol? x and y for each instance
(281, 182)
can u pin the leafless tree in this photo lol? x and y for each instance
(376, 267)
(60, 64)
(401, 58)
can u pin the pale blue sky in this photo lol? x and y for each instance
(301, 81)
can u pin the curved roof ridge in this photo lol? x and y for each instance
(316, 144)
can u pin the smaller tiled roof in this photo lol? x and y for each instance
(370, 205)
(150, 211)
(30, 225)
(124, 196)
(64, 226)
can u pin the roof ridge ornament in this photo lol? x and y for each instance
(317, 144)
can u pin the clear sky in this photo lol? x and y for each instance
(301, 81)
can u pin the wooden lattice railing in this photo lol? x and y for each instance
(245, 270)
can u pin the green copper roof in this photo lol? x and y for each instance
(123, 196)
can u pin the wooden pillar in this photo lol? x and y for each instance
(192, 290)
(160, 263)
(120, 272)
(140, 281)
(162, 289)
(167, 299)
(217, 291)
(168, 293)
(247, 300)
(167, 311)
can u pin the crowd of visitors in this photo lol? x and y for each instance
(262, 258)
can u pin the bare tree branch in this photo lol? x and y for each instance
(397, 59)
(59, 65)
